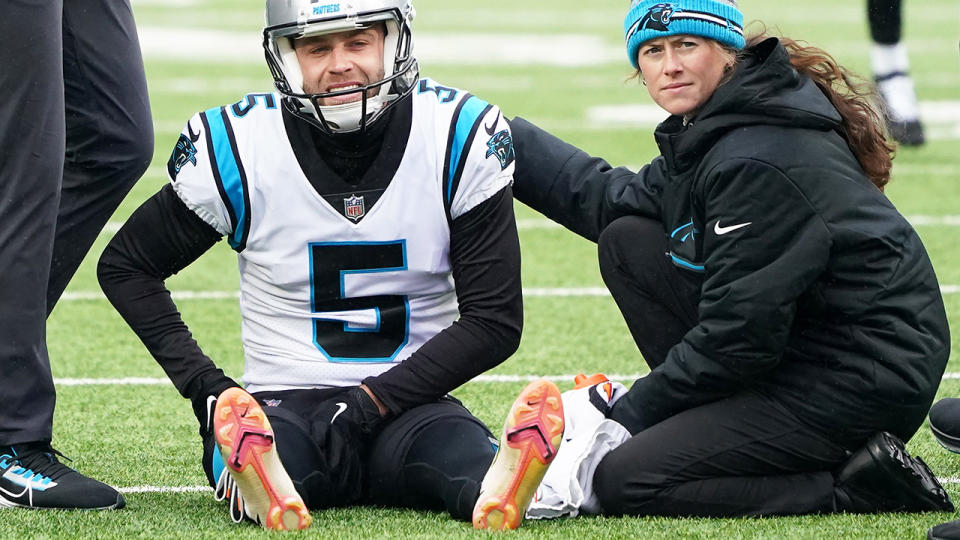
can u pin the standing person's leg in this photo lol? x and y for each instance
(891, 71)
(31, 162)
(657, 299)
(109, 131)
(32, 138)
(886, 21)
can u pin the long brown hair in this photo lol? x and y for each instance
(862, 123)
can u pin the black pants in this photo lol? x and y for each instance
(742, 456)
(75, 135)
(431, 457)
(885, 21)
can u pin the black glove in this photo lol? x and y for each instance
(203, 407)
(354, 412)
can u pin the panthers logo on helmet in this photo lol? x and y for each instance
(658, 17)
(183, 152)
(501, 145)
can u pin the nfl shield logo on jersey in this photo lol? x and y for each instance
(353, 207)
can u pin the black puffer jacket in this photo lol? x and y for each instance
(815, 289)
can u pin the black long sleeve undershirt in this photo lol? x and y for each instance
(485, 255)
(163, 236)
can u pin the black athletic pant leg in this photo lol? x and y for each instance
(431, 457)
(109, 141)
(742, 456)
(76, 132)
(31, 163)
(657, 299)
(885, 21)
(325, 462)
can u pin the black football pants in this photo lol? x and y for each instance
(431, 457)
(75, 135)
(746, 455)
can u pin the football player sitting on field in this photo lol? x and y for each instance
(379, 264)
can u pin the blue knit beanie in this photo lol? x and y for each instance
(719, 20)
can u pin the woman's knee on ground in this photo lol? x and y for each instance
(622, 487)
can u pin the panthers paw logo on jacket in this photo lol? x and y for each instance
(183, 153)
(501, 146)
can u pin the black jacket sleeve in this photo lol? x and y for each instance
(580, 192)
(764, 246)
(161, 238)
(485, 253)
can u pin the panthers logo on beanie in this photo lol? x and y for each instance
(657, 17)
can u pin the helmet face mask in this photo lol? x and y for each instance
(287, 20)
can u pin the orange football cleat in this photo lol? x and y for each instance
(246, 443)
(531, 436)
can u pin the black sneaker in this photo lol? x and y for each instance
(945, 531)
(31, 476)
(899, 101)
(883, 477)
(945, 423)
(907, 133)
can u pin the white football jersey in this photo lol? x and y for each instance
(329, 296)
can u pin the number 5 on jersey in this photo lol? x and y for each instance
(338, 339)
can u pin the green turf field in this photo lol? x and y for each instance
(121, 425)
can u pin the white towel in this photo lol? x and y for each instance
(567, 487)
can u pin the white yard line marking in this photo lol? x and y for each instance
(125, 381)
(488, 378)
(527, 291)
(203, 489)
(943, 117)
(526, 224)
(162, 381)
(164, 489)
(432, 49)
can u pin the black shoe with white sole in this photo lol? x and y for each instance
(31, 476)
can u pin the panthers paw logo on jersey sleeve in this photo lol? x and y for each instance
(184, 152)
(501, 146)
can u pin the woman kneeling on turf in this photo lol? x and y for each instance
(790, 316)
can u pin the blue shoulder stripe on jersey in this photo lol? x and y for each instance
(463, 127)
(212, 156)
(231, 177)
